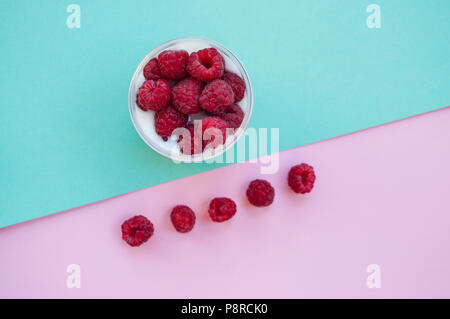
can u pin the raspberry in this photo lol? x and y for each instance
(172, 64)
(206, 65)
(260, 193)
(221, 209)
(216, 127)
(196, 144)
(185, 95)
(237, 84)
(153, 95)
(301, 178)
(168, 119)
(151, 70)
(233, 115)
(216, 96)
(183, 218)
(137, 230)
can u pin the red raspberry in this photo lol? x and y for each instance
(216, 96)
(183, 218)
(221, 209)
(301, 178)
(137, 230)
(237, 84)
(216, 127)
(185, 96)
(172, 64)
(206, 65)
(196, 144)
(151, 70)
(168, 119)
(153, 95)
(233, 115)
(260, 193)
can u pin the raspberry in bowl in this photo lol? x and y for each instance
(183, 85)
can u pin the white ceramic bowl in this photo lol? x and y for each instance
(144, 120)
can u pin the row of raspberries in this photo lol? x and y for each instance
(178, 85)
(138, 229)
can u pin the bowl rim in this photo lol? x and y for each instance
(238, 132)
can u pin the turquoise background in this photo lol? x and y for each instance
(66, 138)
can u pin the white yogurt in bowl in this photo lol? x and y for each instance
(144, 120)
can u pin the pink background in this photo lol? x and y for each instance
(382, 196)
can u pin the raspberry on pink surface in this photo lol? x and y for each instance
(233, 115)
(214, 131)
(183, 218)
(301, 178)
(216, 96)
(260, 193)
(167, 120)
(186, 94)
(153, 95)
(151, 70)
(221, 209)
(137, 230)
(237, 84)
(206, 65)
(172, 64)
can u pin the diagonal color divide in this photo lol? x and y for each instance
(381, 199)
(317, 69)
